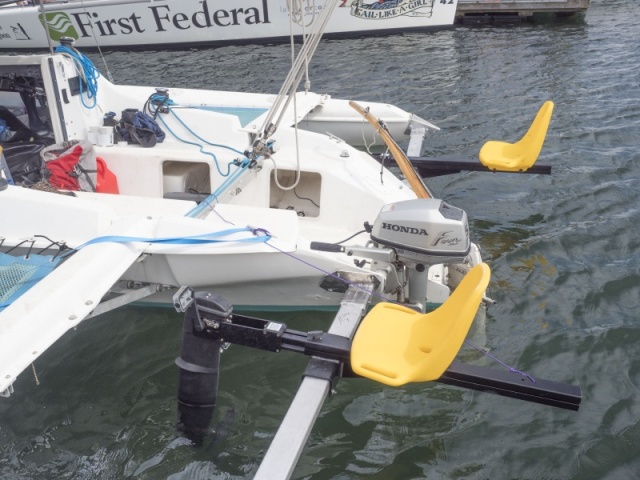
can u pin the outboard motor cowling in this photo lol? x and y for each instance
(424, 230)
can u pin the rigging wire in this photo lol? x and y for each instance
(297, 17)
(52, 50)
(45, 25)
(288, 90)
(294, 76)
(95, 38)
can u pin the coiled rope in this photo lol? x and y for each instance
(88, 73)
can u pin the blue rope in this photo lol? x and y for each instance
(202, 139)
(157, 101)
(200, 147)
(88, 72)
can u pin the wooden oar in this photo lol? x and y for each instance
(415, 182)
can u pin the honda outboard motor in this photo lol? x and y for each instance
(422, 232)
(406, 239)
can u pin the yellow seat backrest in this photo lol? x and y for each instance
(395, 345)
(519, 156)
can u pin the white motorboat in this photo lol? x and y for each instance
(163, 23)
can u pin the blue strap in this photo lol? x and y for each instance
(258, 235)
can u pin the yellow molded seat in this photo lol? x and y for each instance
(519, 156)
(395, 345)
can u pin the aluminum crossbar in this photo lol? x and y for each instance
(286, 447)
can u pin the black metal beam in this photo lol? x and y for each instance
(513, 385)
(436, 166)
(274, 336)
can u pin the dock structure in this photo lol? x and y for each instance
(485, 11)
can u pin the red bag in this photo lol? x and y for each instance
(107, 181)
(71, 166)
(74, 166)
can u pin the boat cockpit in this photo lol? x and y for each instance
(25, 122)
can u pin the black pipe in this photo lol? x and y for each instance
(199, 364)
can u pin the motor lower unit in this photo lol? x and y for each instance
(423, 231)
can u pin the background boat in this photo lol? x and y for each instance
(158, 24)
(563, 249)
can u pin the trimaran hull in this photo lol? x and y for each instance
(264, 215)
